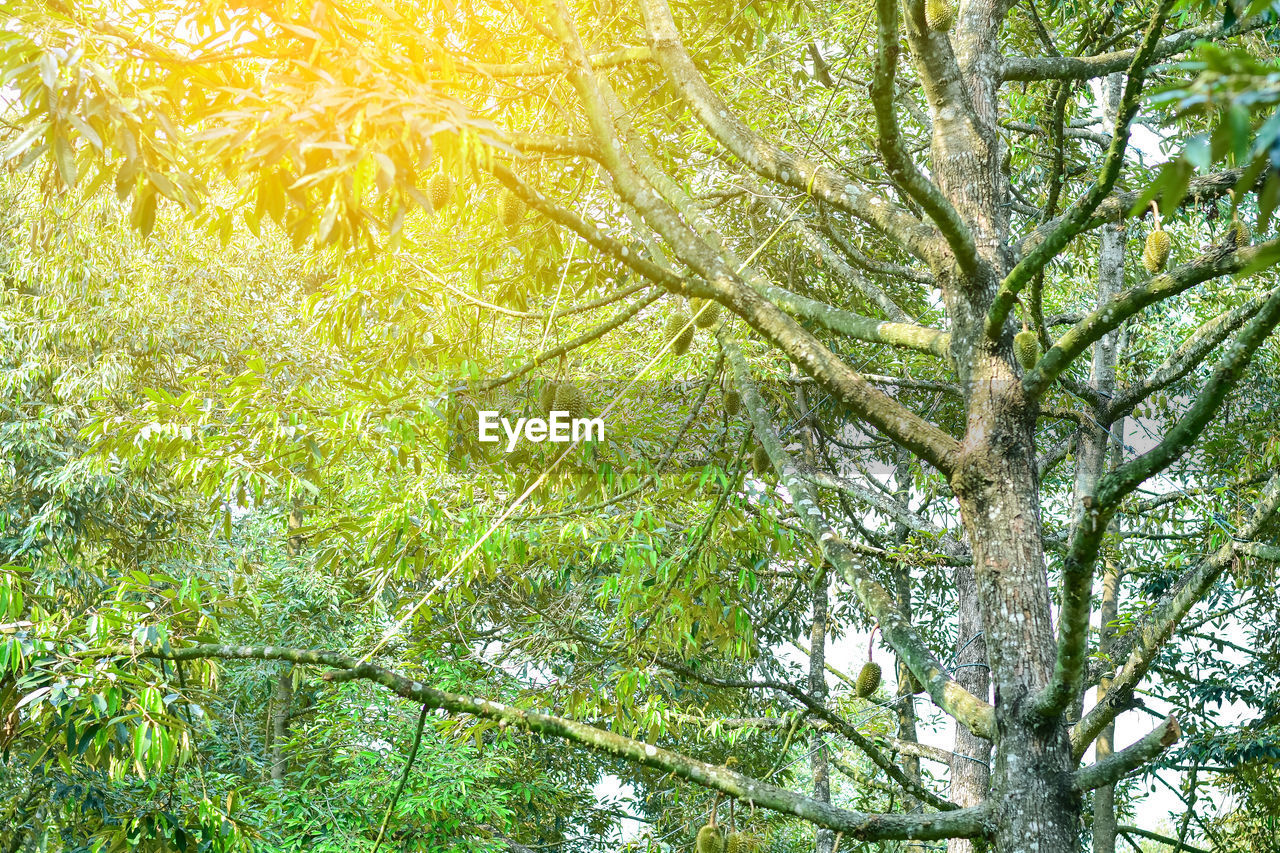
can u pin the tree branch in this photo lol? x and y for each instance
(975, 714)
(1186, 357)
(1027, 68)
(764, 157)
(1163, 839)
(1149, 637)
(1077, 570)
(1120, 764)
(1118, 205)
(551, 67)
(1114, 486)
(828, 259)
(1083, 208)
(925, 439)
(1218, 261)
(896, 159)
(960, 823)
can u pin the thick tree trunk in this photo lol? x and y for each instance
(1035, 807)
(996, 484)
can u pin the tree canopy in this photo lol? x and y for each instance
(928, 336)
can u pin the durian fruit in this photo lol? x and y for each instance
(1238, 234)
(710, 840)
(940, 15)
(760, 461)
(510, 209)
(868, 680)
(732, 402)
(1026, 346)
(679, 332)
(440, 190)
(569, 398)
(739, 842)
(1156, 252)
(547, 396)
(707, 317)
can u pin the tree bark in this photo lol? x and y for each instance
(995, 480)
(1104, 798)
(906, 706)
(1095, 441)
(824, 839)
(281, 699)
(971, 755)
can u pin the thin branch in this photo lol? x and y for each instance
(722, 283)
(1114, 486)
(551, 67)
(1163, 839)
(1077, 570)
(1186, 357)
(1150, 636)
(763, 156)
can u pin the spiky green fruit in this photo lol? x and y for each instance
(1239, 234)
(760, 463)
(705, 317)
(710, 840)
(440, 190)
(1155, 254)
(679, 332)
(510, 209)
(569, 398)
(737, 842)
(868, 680)
(940, 15)
(547, 396)
(1026, 346)
(732, 402)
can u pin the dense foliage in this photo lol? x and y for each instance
(262, 266)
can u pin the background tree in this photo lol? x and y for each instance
(872, 258)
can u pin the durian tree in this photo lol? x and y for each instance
(920, 232)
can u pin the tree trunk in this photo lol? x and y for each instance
(902, 593)
(1035, 809)
(971, 764)
(1104, 798)
(1035, 806)
(824, 839)
(1095, 440)
(281, 700)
